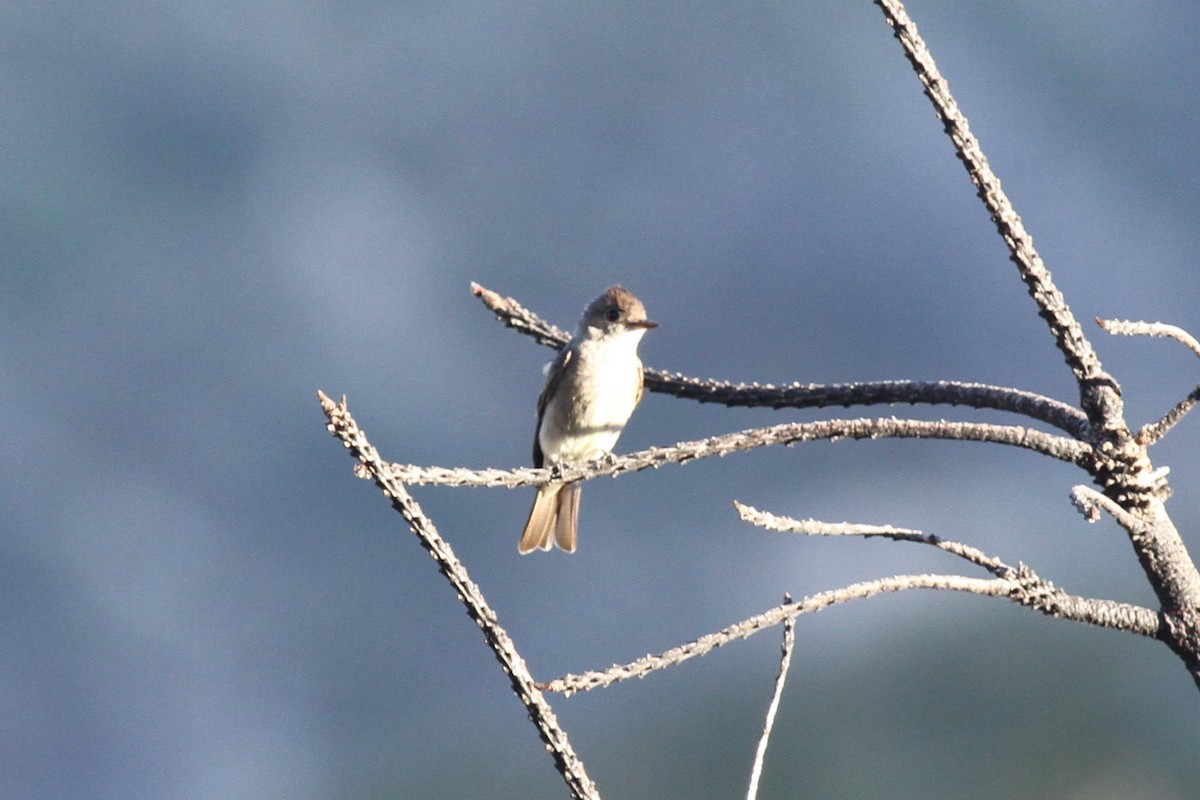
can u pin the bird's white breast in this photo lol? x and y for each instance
(594, 400)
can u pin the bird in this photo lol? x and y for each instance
(591, 389)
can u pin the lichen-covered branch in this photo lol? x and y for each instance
(870, 393)
(867, 393)
(516, 316)
(1058, 447)
(1090, 503)
(569, 684)
(1036, 593)
(1125, 327)
(1154, 431)
(1100, 442)
(1024, 588)
(343, 426)
(1096, 386)
(813, 527)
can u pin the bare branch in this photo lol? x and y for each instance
(1037, 593)
(796, 395)
(814, 395)
(816, 527)
(785, 662)
(343, 426)
(1097, 389)
(587, 681)
(1163, 556)
(812, 527)
(1155, 431)
(516, 316)
(1090, 503)
(1025, 589)
(1085, 504)
(786, 434)
(1125, 327)
(1122, 466)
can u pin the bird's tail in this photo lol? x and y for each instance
(553, 518)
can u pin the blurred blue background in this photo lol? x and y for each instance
(212, 210)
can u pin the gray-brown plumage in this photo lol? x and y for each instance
(592, 387)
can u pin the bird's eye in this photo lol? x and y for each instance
(613, 314)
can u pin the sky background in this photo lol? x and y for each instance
(211, 210)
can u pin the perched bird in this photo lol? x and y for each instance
(591, 389)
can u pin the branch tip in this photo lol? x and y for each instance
(1091, 502)
(331, 406)
(1084, 504)
(785, 663)
(1126, 327)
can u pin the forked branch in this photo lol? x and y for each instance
(1154, 432)
(1019, 584)
(1097, 439)
(1035, 592)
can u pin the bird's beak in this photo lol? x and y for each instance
(641, 323)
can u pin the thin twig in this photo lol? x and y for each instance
(816, 527)
(587, 681)
(1059, 447)
(785, 662)
(1036, 592)
(1025, 589)
(955, 393)
(812, 527)
(1153, 432)
(519, 318)
(343, 426)
(1090, 503)
(1125, 327)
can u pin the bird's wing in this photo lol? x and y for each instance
(558, 368)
